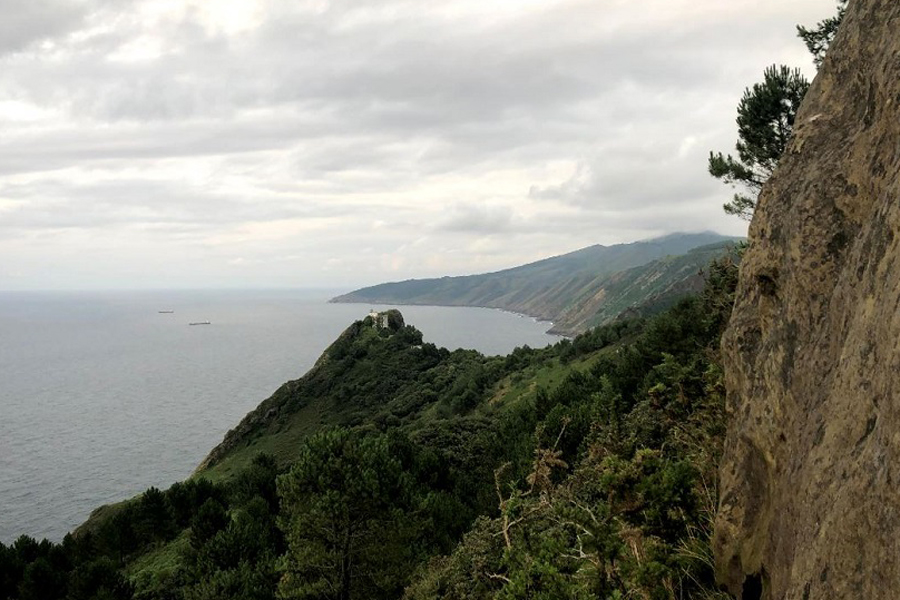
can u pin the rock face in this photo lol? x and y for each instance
(810, 479)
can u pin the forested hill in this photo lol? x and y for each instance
(575, 290)
(640, 291)
(398, 470)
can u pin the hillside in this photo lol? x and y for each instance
(640, 291)
(575, 290)
(585, 469)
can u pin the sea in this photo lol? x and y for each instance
(102, 395)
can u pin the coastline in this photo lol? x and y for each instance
(535, 318)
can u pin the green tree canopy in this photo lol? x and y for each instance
(818, 38)
(343, 518)
(765, 121)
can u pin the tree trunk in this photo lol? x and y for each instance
(346, 565)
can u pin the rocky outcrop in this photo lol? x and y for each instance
(810, 478)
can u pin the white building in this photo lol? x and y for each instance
(379, 320)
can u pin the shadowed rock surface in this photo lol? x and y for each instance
(810, 480)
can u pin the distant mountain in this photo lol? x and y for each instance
(640, 291)
(576, 290)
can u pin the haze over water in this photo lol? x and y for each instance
(102, 396)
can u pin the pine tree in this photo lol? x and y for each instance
(342, 517)
(765, 121)
(819, 38)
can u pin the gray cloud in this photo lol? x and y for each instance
(148, 204)
(479, 219)
(26, 22)
(345, 132)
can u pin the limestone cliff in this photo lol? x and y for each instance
(810, 479)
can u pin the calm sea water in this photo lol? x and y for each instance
(101, 396)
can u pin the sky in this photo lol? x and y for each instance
(316, 143)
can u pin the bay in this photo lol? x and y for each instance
(102, 395)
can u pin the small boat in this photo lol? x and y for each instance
(165, 312)
(200, 323)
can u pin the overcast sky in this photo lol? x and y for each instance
(316, 143)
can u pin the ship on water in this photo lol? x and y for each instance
(200, 323)
(165, 312)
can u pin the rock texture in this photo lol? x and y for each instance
(810, 479)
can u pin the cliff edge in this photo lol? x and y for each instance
(810, 478)
(296, 408)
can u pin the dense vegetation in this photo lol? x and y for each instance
(641, 291)
(396, 469)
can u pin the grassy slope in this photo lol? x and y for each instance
(283, 438)
(639, 291)
(159, 564)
